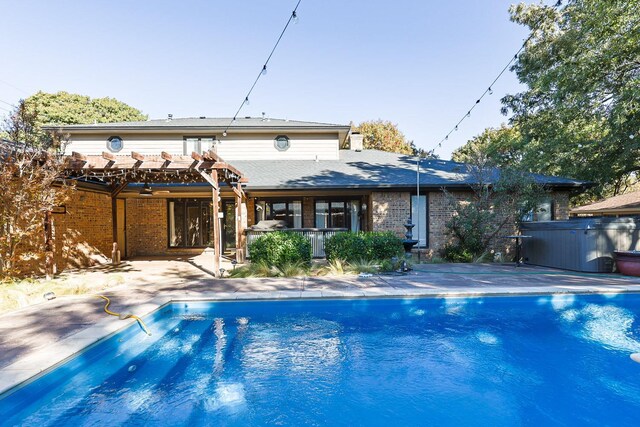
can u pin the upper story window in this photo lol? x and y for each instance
(115, 144)
(198, 144)
(282, 143)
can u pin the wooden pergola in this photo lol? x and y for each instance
(111, 174)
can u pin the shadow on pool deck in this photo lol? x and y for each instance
(27, 330)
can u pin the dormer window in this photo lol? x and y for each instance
(282, 143)
(114, 144)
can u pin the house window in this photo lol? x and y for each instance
(115, 144)
(420, 217)
(189, 223)
(197, 144)
(543, 212)
(289, 211)
(338, 214)
(282, 143)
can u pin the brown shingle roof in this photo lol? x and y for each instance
(623, 202)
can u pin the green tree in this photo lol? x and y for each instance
(503, 146)
(65, 108)
(385, 136)
(580, 113)
(30, 179)
(498, 201)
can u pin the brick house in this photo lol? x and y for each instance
(312, 176)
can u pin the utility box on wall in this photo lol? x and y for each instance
(581, 244)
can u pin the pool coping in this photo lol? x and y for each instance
(42, 360)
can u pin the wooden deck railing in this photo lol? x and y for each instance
(317, 236)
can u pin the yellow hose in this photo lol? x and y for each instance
(123, 316)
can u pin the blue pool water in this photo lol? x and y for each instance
(545, 360)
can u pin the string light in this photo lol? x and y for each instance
(263, 71)
(489, 90)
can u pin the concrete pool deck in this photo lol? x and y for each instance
(37, 337)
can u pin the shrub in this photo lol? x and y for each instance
(279, 248)
(456, 253)
(382, 245)
(345, 246)
(368, 246)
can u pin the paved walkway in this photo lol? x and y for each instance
(28, 335)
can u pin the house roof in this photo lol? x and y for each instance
(195, 123)
(624, 203)
(367, 169)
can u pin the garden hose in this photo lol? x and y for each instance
(123, 316)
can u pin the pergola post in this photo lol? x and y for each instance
(216, 223)
(241, 224)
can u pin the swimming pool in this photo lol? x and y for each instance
(534, 360)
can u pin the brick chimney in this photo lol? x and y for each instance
(356, 141)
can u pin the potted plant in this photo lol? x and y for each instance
(628, 262)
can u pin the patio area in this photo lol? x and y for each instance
(37, 337)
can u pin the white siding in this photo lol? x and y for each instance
(261, 147)
(233, 147)
(140, 143)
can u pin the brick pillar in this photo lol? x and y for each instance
(308, 212)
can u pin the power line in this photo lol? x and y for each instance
(8, 103)
(489, 89)
(293, 17)
(15, 87)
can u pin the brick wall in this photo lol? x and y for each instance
(146, 227)
(561, 205)
(389, 211)
(251, 211)
(83, 236)
(439, 214)
(308, 212)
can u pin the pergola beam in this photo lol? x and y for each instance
(209, 179)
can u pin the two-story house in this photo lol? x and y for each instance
(309, 175)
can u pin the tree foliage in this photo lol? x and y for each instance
(31, 188)
(503, 146)
(579, 115)
(385, 136)
(63, 108)
(498, 201)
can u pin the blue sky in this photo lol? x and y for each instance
(420, 64)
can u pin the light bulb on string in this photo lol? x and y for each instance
(246, 101)
(490, 91)
(468, 113)
(264, 70)
(294, 17)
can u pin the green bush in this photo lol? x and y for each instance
(383, 245)
(456, 253)
(345, 246)
(279, 248)
(368, 246)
